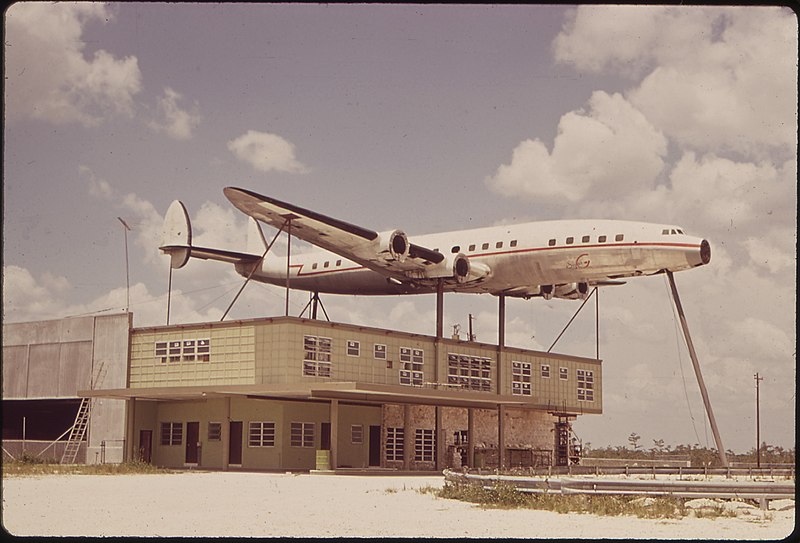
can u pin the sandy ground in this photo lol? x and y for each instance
(266, 504)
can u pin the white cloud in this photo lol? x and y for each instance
(611, 149)
(177, 123)
(266, 152)
(49, 77)
(716, 78)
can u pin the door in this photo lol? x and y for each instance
(192, 442)
(145, 445)
(375, 445)
(235, 444)
(325, 436)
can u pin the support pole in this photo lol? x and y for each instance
(471, 437)
(501, 436)
(334, 417)
(698, 374)
(439, 308)
(501, 340)
(758, 421)
(597, 324)
(288, 259)
(225, 434)
(169, 292)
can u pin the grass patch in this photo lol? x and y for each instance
(503, 495)
(28, 466)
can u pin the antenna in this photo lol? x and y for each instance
(127, 272)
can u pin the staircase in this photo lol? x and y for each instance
(78, 431)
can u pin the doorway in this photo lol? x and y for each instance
(325, 436)
(145, 445)
(375, 445)
(192, 442)
(235, 444)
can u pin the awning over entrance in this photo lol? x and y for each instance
(349, 391)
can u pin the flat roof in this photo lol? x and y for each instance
(360, 328)
(349, 391)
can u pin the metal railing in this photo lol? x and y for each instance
(728, 489)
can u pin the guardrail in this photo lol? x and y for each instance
(757, 490)
(787, 472)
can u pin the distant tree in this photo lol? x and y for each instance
(658, 446)
(633, 439)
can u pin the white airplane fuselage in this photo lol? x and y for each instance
(531, 259)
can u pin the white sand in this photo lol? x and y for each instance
(265, 504)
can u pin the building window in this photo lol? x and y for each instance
(317, 356)
(261, 434)
(601, 239)
(411, 366)
(356, 434)
(619, 237)
(470, 372)
(353, 348)
(423, 445)
(380, 352)
(546, 371)
(301, 434)
(161, 351)
(188, 350)
(394, 444)
(171, 433)
(563, 374)
(520, 378)
(214, 431)
(461, 437)
(585, 385)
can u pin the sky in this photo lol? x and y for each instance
(425, 118)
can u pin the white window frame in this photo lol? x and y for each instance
(356, 434)
(174, 434)
(563, 373)
(379, 354)
(395, 444)
(261, 433)
(317, 354)
(521, 378)
(544, 371)
(424, 445)
(353, 348)
(302, 434)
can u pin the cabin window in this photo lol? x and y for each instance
(680, 231)
(499, 245)
(665, 232)
(601, 239)
(455, 249)
(472, 247)
(327, 263)
(570, 240)
(585, 239)
(338, 263)
(314, 266)
(619, 237)
(551, 242)
(513, 243)
(673, 231)
(485, 246)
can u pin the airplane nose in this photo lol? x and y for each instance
(705, 251)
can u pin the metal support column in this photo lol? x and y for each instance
(501, 436)
(696, 364)
(225, 434)
(334, 417)
(471, 437)
(438, 438)
(407, 444)
(501, 340)
(130, 433)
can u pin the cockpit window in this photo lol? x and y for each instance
(665, 232)
(680, 231)
(673, 231)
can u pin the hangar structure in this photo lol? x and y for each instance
(289, 393)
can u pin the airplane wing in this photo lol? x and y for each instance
(390, 254)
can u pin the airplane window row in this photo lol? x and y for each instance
(484, 246)
(671, 231)
(325, 264)
(586, 239)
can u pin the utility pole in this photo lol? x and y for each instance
(758, 421)
(127, 273)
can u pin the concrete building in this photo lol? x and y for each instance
(295, 394)
(45, 365)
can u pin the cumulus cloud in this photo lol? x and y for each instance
(172, 120)
(714, 78)
(50, 77)
(266, 152)
(611, 148)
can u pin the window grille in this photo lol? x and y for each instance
(301, 434)
(394, 444)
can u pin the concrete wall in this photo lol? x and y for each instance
(59, 358)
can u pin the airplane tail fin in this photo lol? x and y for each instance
(176, 241)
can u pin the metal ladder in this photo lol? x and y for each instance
(78, 431)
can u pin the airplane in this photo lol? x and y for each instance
(551, 259)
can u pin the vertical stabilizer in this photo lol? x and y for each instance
(176, 240)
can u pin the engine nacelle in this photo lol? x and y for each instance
(572, 291)
(398, 245)
(547, 291)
